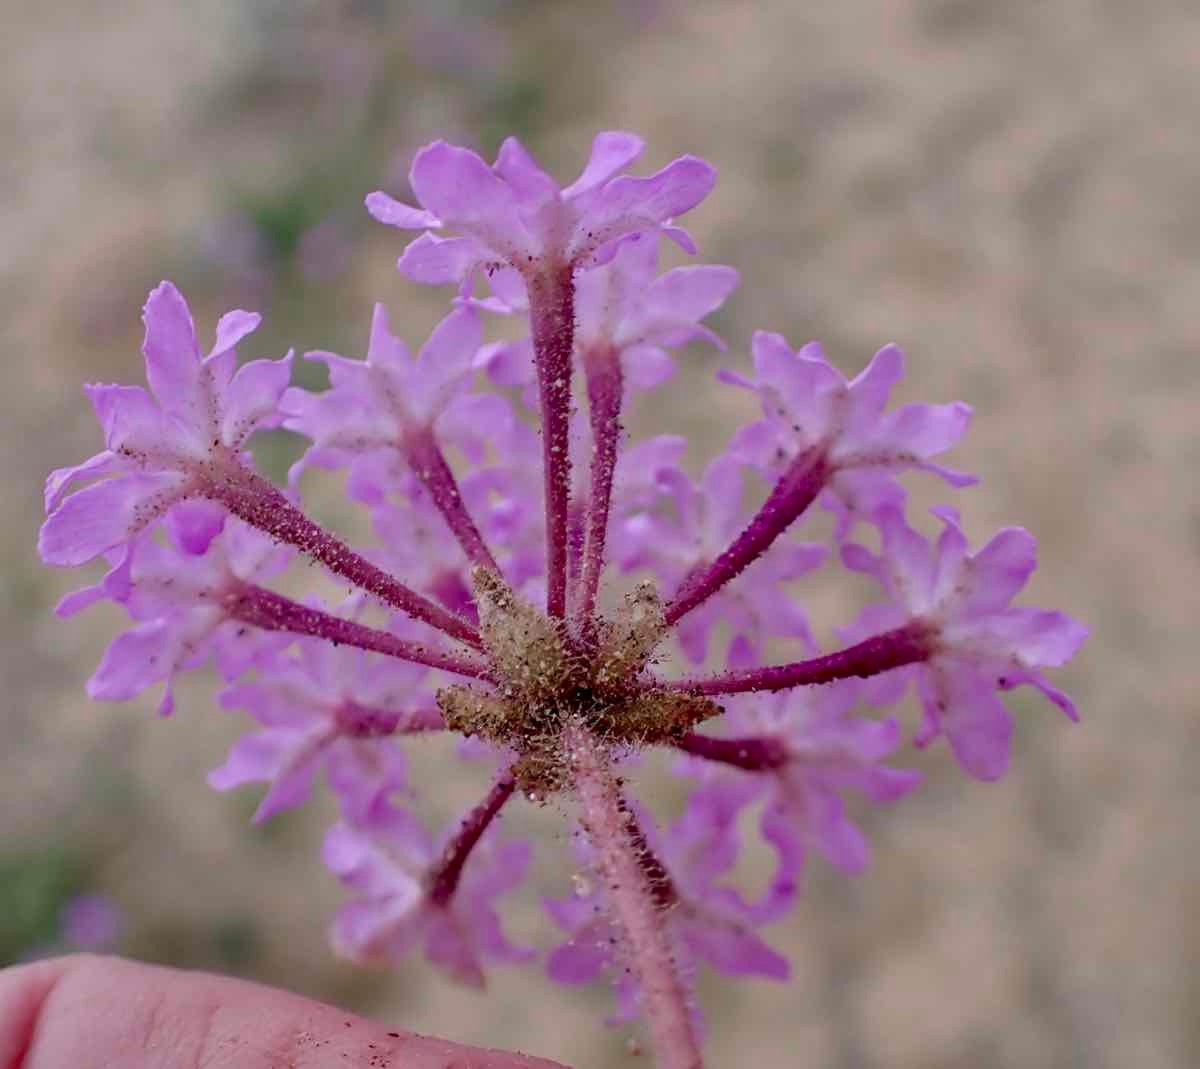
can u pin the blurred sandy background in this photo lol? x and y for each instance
(1010, 190)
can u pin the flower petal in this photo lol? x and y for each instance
(647, 366)
(870, 390)
(437, 261)
(628, 205)
(520, 170)
(974, 720)
(688, 294)
(1039, 637)
(508, 363)
(580, 960)
(1000, 570)
(194, 524)
(392, 212)
(733, 948)
(172, 354)
(131, 420)
(446, 360)
(102, 516)
(232, 327)
(465, 193)
(134, 660)
(59, 480)
(612, 151)
(252, 401)
(919, 430)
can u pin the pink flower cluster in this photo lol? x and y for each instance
(561, 596)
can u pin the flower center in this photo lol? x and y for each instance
(546, 679)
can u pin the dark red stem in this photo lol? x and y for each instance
(552, 324)
(444, 876)
(604, 386)
(796, 489)
(754, 753)
(428, 463)
(259, 607)
(253, 499)
(881, 653)
(366, 722)
(662, 889)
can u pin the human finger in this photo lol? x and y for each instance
(105, 1013)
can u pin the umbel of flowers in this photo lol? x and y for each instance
(535, 578)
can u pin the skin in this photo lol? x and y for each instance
(104, 1013)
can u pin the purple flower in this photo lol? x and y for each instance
(180, 599)
(623, 313)
(392, 401)
(801, 750)
(166, 445)
(515, 215)
(682, 542)
(980, 643)
(811, 410)
(332, 708)
(417, 543)
(90, 922)
(389, 864)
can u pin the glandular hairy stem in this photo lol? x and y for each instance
(632, 900)
(259, 503)
(428, 462)
(444, 876)
(552, 323)
(914, 642)
(604, 388)
(796, 490)
(265, 609)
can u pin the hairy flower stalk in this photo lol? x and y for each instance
(633, 899)
(265, 609)
(871, 657)
(429, 462)
(751, 753)
(604, 388)
(552, 318)
(796, 489)
(514, 550)
(443, 878)
(252, 499)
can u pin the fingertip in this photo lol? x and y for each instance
(98, 1012)
(23, 991)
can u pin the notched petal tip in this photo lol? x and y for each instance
(436, 261)
(168, 321)
(392, 212)
(232, 327)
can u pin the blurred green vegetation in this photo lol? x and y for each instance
(35, 885)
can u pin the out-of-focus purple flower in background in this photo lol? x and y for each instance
(91, 922)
